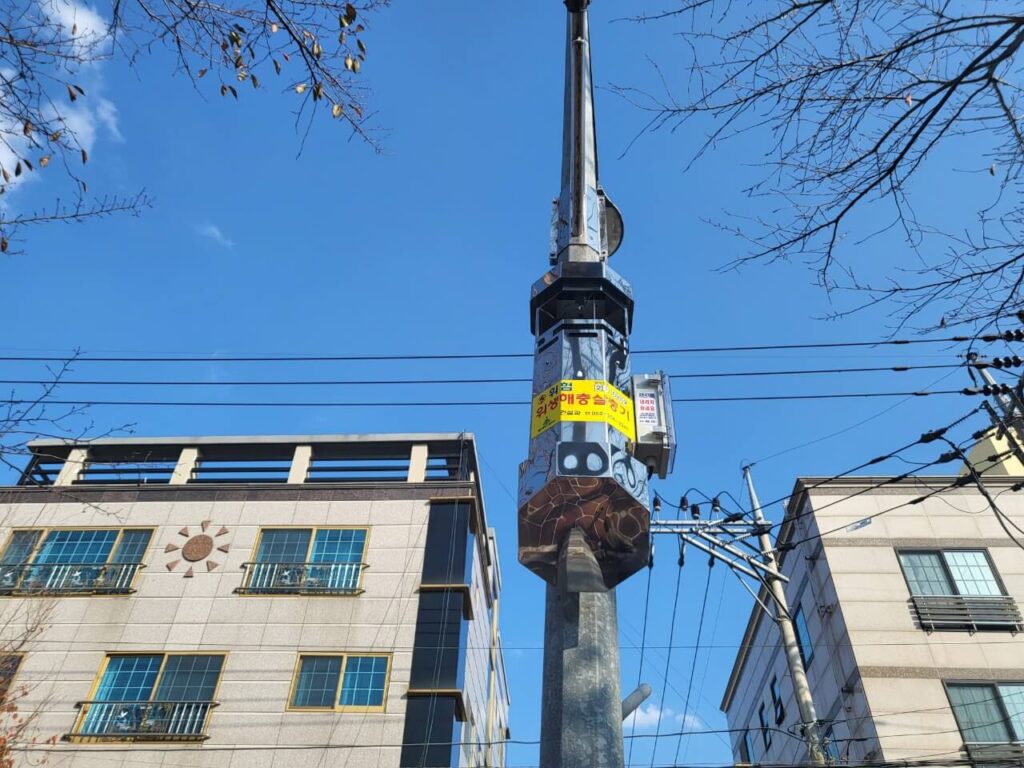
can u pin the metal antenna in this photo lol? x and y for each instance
(588, 227)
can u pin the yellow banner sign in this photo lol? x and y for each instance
(582, 400)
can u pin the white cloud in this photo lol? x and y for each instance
(92, 115)
(212, 232)
(80, 22)
(647, 717)
(106, 114)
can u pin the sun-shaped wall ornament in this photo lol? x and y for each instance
(197, 549)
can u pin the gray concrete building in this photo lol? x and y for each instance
(909, 625)
(264, 602)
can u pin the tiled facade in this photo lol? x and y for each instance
(197, 594)
(885, 667)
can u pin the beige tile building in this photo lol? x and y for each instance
(909, 624)
(264, 602)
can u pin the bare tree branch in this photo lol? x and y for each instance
(48, 48)
(858, 99)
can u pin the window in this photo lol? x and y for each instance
(746, 748)
(803, 636)
(988, 713)
(766, 735)
(86, 561)
(152, 697)
(9, 664)
(780, 711)
(306, 561)
(341, 682)
(958, 589)
(955, 572)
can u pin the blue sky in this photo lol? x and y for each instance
(431, 246)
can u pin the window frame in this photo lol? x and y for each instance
(993, 685)
(806, 656)
(5, 688)
(76, 729)
(766, 734)
(779, 709)
(45, 531)
(337, 706)
(356, 590)
(746, 747)
(950, 580)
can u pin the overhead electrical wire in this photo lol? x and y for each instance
(668, 659)
(458, 403)
(945, 458)
(928, 761)
(851, 427)
(1009, 336)
(491, 380)
(958, 483)
(925, 437)
(696, 655)
(643, 635)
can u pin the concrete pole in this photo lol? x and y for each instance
(790, 643)
(581, 709)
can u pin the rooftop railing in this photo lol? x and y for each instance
(105, 464)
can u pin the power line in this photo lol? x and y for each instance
(668, 659)
(926, 437)
(849, 427)
(461, 403)
(693, 665)
(491, 380)
(490, 355)
(643, 636)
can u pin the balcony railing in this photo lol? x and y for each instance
(301, 578)
(68, 578)
(969, 612)
(142, 720)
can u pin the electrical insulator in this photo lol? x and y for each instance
(716, 505)
(684, 503)
(997, 389)
(657, 505)
(695, 511)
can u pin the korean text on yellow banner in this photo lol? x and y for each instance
(582, 400)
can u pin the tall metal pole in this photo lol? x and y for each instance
(581, 709)
(584, 515)
(790, 643)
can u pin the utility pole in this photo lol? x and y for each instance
(597, 434)
(790, 643)
(1003, 398)
(1011, 421)
(727, 540)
